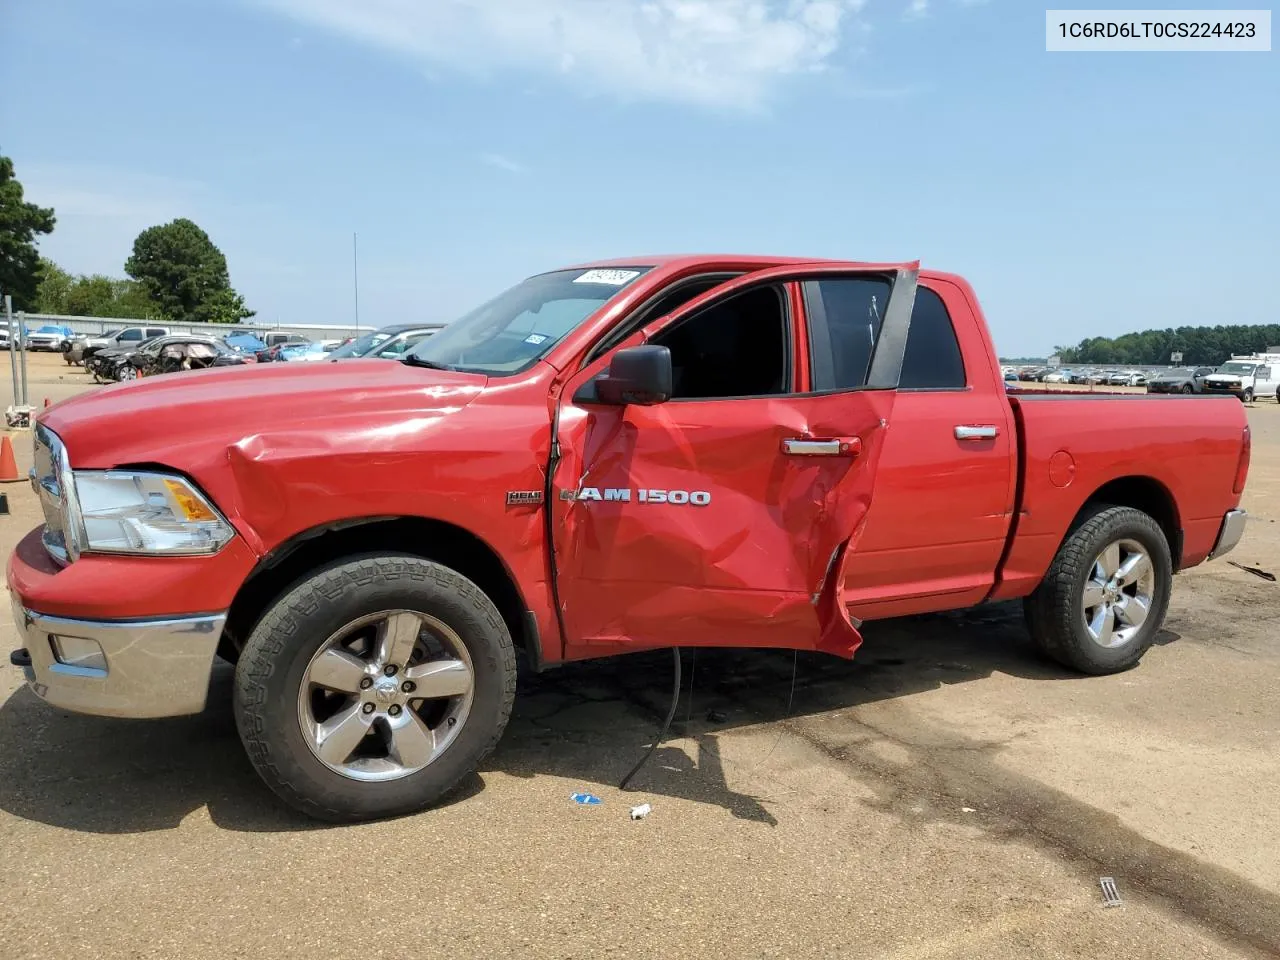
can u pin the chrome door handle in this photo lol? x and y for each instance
(977, 433)
(822, 446)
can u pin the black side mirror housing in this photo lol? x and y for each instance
(639, 375)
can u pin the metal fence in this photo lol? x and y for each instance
(98, 325)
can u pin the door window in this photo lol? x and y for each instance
(737, 347)
(845, 314)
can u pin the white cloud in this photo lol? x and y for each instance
(917, 9)
(502, 163)
(711, 52)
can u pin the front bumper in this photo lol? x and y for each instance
(1230, 533)
(146, 668)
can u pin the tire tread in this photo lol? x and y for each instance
(263, 653)
(1051, 609)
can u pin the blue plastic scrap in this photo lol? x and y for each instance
(585, 799)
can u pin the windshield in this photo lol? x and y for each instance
(1245, 368)
(515, 328)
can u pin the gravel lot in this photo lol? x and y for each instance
(948, 795)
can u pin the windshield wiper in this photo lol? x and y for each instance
(413, 361)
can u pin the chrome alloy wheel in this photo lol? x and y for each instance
(1118, 594)
(386, 695)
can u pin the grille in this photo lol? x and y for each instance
(46, 477)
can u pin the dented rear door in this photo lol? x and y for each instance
(725, 520)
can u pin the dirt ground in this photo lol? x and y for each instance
(948, 795)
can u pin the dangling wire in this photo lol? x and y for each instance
(666, 724)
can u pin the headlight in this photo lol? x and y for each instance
(144, 513)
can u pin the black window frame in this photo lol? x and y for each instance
(645, 311)
(820, 314)
(779, 288)
(888, 277)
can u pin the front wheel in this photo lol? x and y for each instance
(1248, 395)
(374, 687)
(1105, 596)
(1188, 388)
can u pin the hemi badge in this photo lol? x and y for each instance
(523, 498)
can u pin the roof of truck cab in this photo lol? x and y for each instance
(741, 261)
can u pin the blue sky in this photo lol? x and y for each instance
(473, 142)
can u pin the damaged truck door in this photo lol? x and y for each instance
(706, 493)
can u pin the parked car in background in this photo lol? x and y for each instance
(1179, 380)
(308, 352)
(50, 337)
(279, 341)
(4, 335)
(246, 343)
(1057, 376)
(83, 347)
(178, 352)
(1127, 378)
(1248, 378)
(104, 365)
(390, 342)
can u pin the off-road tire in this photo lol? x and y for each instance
(1053, 612)
(274, 661)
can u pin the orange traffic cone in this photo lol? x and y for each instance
(8, 465)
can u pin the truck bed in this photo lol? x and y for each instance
(1073, 447)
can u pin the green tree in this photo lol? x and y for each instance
(51, 292)
(185, 275)
(20, 223)
(91, 296)
(1207, 346)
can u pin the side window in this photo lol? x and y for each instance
(155, 331)
(1264, 373)
(666, 302)
(932, 358)
(739, 347)
(845, 314)
(131, 335)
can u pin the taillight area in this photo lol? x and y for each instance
(1242, 465)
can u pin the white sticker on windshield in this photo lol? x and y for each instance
(614, 278)
(536, 339)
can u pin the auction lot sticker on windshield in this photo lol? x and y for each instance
(614, 278)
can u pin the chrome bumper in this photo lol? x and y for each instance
(146, 668)
(1230, 533)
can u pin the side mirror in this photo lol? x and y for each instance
(640, 375)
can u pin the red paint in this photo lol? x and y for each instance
(1062, 469)
(907, 519)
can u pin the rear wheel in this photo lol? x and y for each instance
(1105, 596)
(373, 687)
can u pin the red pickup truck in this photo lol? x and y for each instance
(620, 456)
